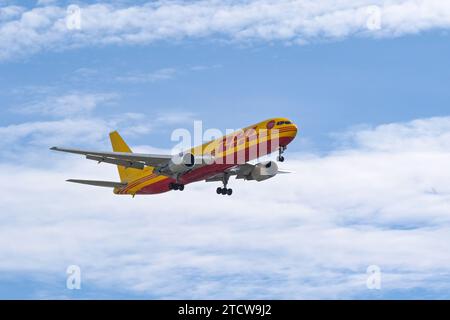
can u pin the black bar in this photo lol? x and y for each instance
(231, 309)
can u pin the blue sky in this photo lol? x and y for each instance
(372, 106)
(350, 82)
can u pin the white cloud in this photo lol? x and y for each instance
(175, 117)
(308, 235)
(72, 104)
(158, 75)
(162, 74)
(289, 21)
(420, 135)
(87, 131)
(10, 12)
(46, 2)
(41, 133)
(73, 122)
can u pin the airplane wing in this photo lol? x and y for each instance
(106, 184)
(125, 159)
(242, 171)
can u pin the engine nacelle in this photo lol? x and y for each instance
(264, 171)
(181, 162)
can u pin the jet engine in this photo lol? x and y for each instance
(181, 162)
(263, 171)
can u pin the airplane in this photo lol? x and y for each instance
(214, 161)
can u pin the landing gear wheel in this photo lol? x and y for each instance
(280, 159)
(176, 186)
(225, 191)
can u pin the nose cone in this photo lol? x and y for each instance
(295, 127)
(288, 132)
(294, 130)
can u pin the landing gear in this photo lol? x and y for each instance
(176, 186)
(225, 191)
(281, 150)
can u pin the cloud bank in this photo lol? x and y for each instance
(381, 198)
(51, 27)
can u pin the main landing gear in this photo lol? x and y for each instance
(176, 186)
(281, 150)
(225, 191)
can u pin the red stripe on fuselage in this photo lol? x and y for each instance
(137, 182)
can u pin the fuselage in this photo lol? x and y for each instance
(229, 151)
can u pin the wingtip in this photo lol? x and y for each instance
(285, 172)
(54, 148)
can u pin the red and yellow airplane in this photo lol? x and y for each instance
(216, 160)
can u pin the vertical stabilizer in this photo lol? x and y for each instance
(119, 145)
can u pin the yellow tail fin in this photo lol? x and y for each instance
(119, 145)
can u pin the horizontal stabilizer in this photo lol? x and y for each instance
(106, 184)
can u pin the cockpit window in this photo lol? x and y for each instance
(280, 123)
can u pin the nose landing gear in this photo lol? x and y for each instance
(281, 151)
